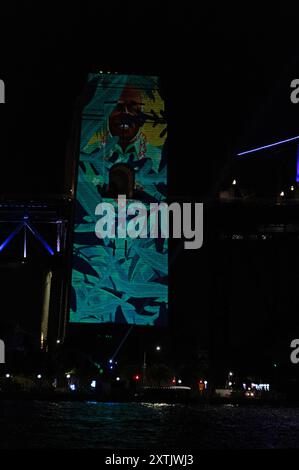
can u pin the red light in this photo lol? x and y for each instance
(136, 377)
(173, 381)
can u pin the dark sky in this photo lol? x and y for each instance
(226, 73)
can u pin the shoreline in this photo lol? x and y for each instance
(131, 398)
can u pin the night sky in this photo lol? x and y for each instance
(226, 78)
(226, 74)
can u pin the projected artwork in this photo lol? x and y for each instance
(122, 151)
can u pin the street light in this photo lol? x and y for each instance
(157, 348)
(144, 367)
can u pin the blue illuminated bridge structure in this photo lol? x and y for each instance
(273, 145)
(34, 237)
(257, 195)
(21, 218)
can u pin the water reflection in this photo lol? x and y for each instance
(37, 424)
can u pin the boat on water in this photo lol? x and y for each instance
(170, 394)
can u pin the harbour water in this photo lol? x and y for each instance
(82, 425)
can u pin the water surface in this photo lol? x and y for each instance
(41, 424)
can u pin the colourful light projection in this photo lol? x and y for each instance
(122, 151)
